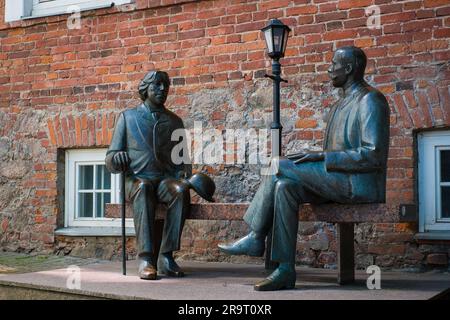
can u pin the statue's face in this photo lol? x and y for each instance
(157, 91)
(338, 71)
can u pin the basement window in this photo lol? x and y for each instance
(434, 181)
(89, 187)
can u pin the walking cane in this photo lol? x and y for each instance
(124, 248)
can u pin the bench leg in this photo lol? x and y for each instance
(346, 253)
(269, 264)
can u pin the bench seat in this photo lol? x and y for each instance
(335, 213)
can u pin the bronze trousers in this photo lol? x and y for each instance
(145, 195)
(276, 203)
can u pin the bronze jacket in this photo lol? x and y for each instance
(146, 135)
(356, 142)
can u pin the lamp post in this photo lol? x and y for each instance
(276, 35)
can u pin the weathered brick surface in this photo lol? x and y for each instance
(62, 88)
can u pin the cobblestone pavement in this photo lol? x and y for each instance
(11, 262)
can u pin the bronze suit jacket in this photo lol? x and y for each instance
(356, 142)
(146, 135)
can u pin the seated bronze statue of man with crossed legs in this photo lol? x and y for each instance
(350, 169)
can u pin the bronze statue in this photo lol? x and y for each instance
(141, 147)
(350, 169)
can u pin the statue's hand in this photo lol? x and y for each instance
(182, 174)
(306, 157)
(121, 160)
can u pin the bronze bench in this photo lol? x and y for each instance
(345, 216)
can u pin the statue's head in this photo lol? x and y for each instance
(154, 88)
(348, 65)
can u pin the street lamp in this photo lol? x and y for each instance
(276, 35)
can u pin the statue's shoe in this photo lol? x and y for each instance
(247, 245)
(280, 279)
(146, 270)
(167, 266)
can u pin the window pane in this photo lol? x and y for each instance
(445, 202)
(102, 199)
(103, 178)
(85, 202)
(445, 165)
(86, 177)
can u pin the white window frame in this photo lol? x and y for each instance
(429, 144)
(73, 159)
(25, 9)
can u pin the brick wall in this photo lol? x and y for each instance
(62, 88)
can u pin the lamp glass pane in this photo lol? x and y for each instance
(269, 43)
(277, 39)
(285, 39)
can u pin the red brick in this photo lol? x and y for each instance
(421, 25)
(340, 15)
(65, 132)
(418, 118)
(327, 7)
(397, 17)
(445, 102)
(348, 4)
(445, 11)
(441, 33)
(437, 259)
(340, 34)
(273, 4)
(306, 123)
(394, 249)
(391, 8)
(364, 42)
(51, 132)
(4, 225)
(410, 99)
(250, 7)
(310, 9)
(304, 135)
(78, 132)
(402, 110)
(412, 5)
(435, 3)
(91, 131)
(425, 107)
(252, 26)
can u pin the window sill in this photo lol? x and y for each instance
(94, 232)
(433, 236)
(63, 11)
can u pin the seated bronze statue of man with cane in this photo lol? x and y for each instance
(141, 147)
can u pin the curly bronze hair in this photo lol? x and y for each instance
(149, 79)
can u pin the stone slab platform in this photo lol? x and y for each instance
(218, 281)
